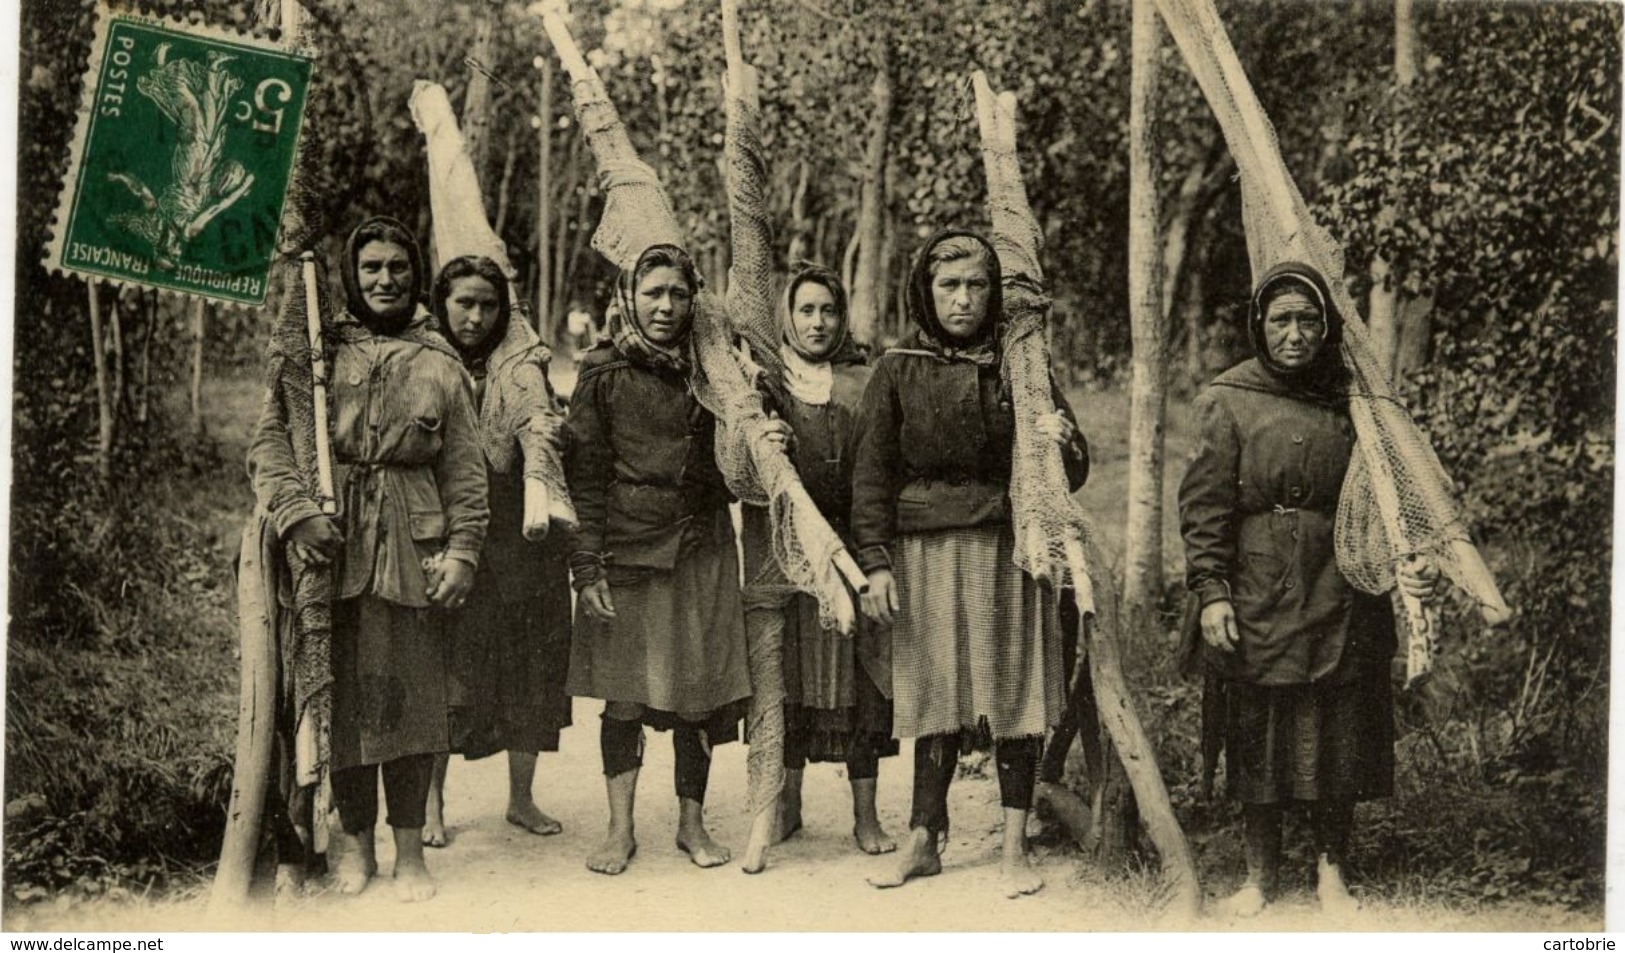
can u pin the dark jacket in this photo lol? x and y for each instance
(825, 440)
(937, 429)
(640, 462)
(934, 445)
(1257, 509)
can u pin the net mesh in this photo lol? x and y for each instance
(1396, 500)
(638, 214)
(460, 228)
(751, 306)
(306, 653)
(1051, 529)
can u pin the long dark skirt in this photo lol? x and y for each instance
(389, 682)
(508, 658)
(676, 647)
(836, 686)
(1323, 741)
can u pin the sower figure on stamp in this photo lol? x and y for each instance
(660, 633)
(1298, 658)
(509, 646)
(407, 537)
(974, 639)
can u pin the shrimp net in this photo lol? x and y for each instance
(638, 214)
(1396, 500)
(1051, 529)
(460, 228)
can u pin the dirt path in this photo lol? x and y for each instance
(496, 878)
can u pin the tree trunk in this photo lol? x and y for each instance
(104, 397)
(505, 185)
(117, 361)
(1193, 309)
(544, 198)
(800, 246)
(144, 400)
(476, 118)
(1387, 301)
(1142, 587)
(1415, 344)
(868, 301)
(200, 312)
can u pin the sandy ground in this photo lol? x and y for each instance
(495, 877)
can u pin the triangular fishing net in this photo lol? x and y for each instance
(1051, 529)
(460, 228)
(1396, 500)
(637, 215)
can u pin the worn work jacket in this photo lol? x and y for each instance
(408, 470)
(1257, 509)
(934, 446)
(640, 461)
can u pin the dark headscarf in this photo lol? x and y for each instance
(846, 350)
(624, 327)
(382, 228)
(1325, 373)
(922, 309)
(472, 266)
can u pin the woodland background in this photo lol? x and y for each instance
(1466, 154)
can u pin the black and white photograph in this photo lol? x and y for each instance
(800, 466)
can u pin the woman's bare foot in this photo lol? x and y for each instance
(872, 838)
(763, 833)
(866, 829)
(918, 858)
(290, 882)
(694, 840)
(615, 854)
(412, 881)
(531, 818)
(1017, 875)
(354, 863)
(434, 827)
(1333, 893)
(1247, 902)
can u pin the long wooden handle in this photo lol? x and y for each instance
(569, 53)
(318, 380)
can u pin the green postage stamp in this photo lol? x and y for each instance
(181, 158)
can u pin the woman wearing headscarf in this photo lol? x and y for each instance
(659, 633)
(1298, 660)
(837, 686)
(411, 520)
(976, 643)
(509, 646)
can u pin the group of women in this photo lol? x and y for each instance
(453, 628)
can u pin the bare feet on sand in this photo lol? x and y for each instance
(1017, 875)
(354, 863)
(1333, 893)
(872, 838)
(1245, 903)
(918, 858)
(412, 881)
(617, 851)
(527, 815)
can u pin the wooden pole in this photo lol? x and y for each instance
(1142, 557)
(544, 196)
(104, 400)
(476, 117)
(200, 310)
